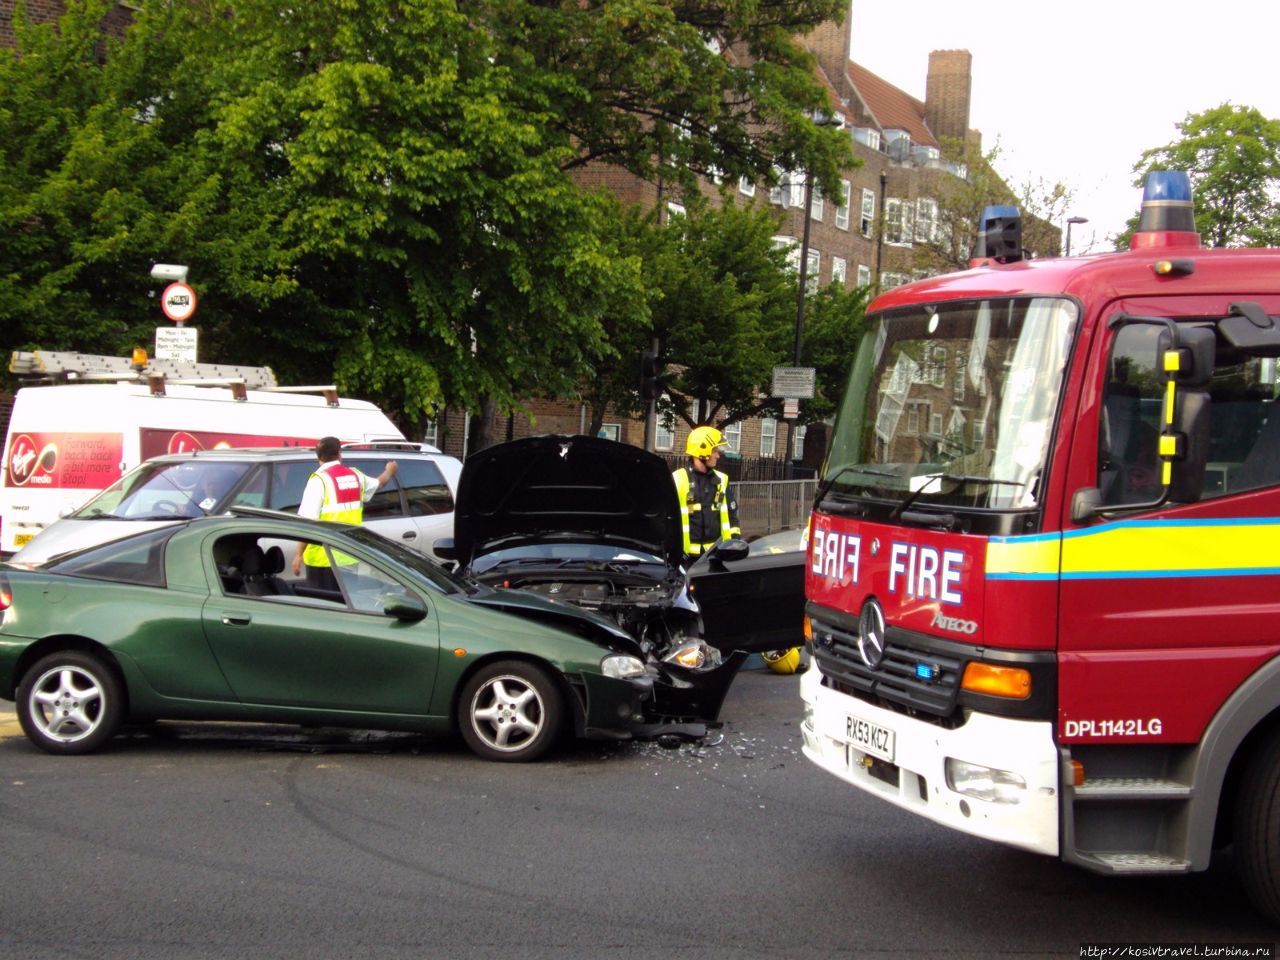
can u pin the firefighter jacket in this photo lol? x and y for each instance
(707, 512)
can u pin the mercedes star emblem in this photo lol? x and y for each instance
(871, 634)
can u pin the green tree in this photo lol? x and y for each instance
(379, 190)
(727, 312)
(1232, 155)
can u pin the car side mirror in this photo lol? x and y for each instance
(406, 608)
(730, 551)
(445, 548)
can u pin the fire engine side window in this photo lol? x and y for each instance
(1244, 448)
(1128, 465)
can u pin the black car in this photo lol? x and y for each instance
(595, 523)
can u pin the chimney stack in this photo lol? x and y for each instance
(946, 106)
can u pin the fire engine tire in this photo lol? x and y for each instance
(1257, 828)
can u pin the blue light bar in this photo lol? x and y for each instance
(925, 671)
(1167, 185)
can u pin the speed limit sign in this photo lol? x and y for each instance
(178, 302)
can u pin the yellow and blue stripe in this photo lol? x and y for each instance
(1142, 549)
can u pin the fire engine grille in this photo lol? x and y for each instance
(912, 677)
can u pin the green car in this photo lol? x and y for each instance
(207, 620)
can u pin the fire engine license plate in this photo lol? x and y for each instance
(869, 738)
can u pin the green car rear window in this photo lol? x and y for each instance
(137, 559)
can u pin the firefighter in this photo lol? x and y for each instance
(337, 493)
(708, 511)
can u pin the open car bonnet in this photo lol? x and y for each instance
(555, 488)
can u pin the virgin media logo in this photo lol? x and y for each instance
(29, 463)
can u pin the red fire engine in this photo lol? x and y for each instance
(1043, 585)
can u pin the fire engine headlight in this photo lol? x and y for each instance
(985, 783)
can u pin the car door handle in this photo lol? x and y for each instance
(236, 619)
(409, 535)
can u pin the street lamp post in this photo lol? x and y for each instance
(1070, 222)
(821, 120)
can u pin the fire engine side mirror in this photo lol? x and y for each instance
(1191, 363)
(1191, 426)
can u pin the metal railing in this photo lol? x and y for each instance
(766, 506)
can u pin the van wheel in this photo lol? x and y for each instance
(70, 703)
(1257, 828)
(510, 711)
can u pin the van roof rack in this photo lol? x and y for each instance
(65, 367)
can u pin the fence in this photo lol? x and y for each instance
(766, 506)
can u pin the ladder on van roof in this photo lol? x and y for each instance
(65, 366)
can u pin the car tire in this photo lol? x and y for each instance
(1257, 828)
(510, 711)
(70, 703)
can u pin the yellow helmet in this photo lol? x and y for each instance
(703, 440)
(782, 661)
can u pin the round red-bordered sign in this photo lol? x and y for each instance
(178, 302)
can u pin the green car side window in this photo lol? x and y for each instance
(137, 559)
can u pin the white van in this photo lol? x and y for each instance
(68, 442)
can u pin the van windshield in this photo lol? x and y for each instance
(166, 491)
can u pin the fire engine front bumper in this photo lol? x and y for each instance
(992, 777)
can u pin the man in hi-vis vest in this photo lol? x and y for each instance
(707, 510)
(337, 493)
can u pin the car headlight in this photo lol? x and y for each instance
(621, 666)
(694, 655)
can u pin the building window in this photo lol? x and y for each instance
(768, 436)
(792, 246)
(837, 270)
(817, 205)
(864, 275)
(926, 220)
(811, 271)
(431, 433)
(897, 221)
(935, 424)
(610, 431)
(797, 442)
(888, 280)
(746, 187)
(674, 210)
(733, 436)
(867, 220)
(664, 432)
(790, 189)
(842, 211)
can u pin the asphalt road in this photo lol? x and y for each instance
(220, 841)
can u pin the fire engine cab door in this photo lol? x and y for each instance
(1164, 611)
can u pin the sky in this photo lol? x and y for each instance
(1075, 92)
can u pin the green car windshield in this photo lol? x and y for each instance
(953, 403)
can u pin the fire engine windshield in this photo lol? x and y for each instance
(952, 404)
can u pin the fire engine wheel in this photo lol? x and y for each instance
(1257, 828)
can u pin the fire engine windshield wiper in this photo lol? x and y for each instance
(841, 470)
(940, 478)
